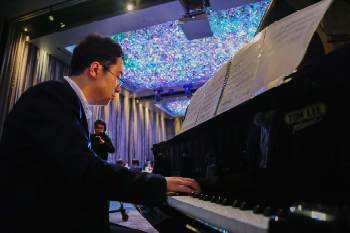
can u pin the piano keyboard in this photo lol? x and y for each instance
(228, 218)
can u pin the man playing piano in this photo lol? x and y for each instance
(50, 179)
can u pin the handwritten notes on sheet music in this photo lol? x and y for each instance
(240, 82)
(285, 44)
(212, 95)
(193, 109)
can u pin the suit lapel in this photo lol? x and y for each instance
(82, 116)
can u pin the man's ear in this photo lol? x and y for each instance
(94, 69)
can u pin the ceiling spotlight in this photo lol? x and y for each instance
(25, 29)
(188, 92)
(157, 92)
(62, 25)
(129, 7)
(51, 17)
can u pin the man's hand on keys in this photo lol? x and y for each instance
(180, 184)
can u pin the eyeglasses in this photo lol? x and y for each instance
(121, 81)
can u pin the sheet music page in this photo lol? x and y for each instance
(193, 109)
(212, 95)
(285, 44)
(239, 86)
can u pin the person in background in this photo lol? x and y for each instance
(50, 179)
(120, 162)
(101, 144)
(135, 165)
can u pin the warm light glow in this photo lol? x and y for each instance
(63, 25)
(276, 218)
(299, 207)
(51, 18)
(25, 29)
(129, 7)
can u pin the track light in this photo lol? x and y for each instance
(51, 15)
(157, 92)
(188, 92)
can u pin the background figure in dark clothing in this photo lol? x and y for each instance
(101, 144)
(120, 162)
(135, 165)
(162, 165)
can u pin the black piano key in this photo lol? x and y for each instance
(246, 206)
(213, 199)
(258, 209)
(267, 211)
(218, 201)
(196, 195)
(227, 202)
(236, 203)
(206, 198)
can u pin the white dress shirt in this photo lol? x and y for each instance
(80, 94)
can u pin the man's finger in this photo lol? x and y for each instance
(191, 184)
(186, 189)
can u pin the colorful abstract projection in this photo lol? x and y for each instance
(161, 55)
(175, 109)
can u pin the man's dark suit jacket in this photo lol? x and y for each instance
(50, 181)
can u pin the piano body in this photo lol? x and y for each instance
(279, 162)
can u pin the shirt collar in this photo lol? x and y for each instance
(80, 94)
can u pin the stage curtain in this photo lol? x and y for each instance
(23, 66)
(178, 124)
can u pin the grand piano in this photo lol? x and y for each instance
(279, 162)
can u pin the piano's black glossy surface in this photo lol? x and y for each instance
(289, 144)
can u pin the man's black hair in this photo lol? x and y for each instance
(94, 48)
(101, 122)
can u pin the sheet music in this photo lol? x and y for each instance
(212, 95)
(193, 109)
(239, 86)
(285, 44)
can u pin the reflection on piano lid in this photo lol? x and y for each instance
(306, 159)
(262, 163)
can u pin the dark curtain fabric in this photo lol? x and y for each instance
(23, 66)
(132, 128)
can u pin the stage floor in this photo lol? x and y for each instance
(135, 221)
